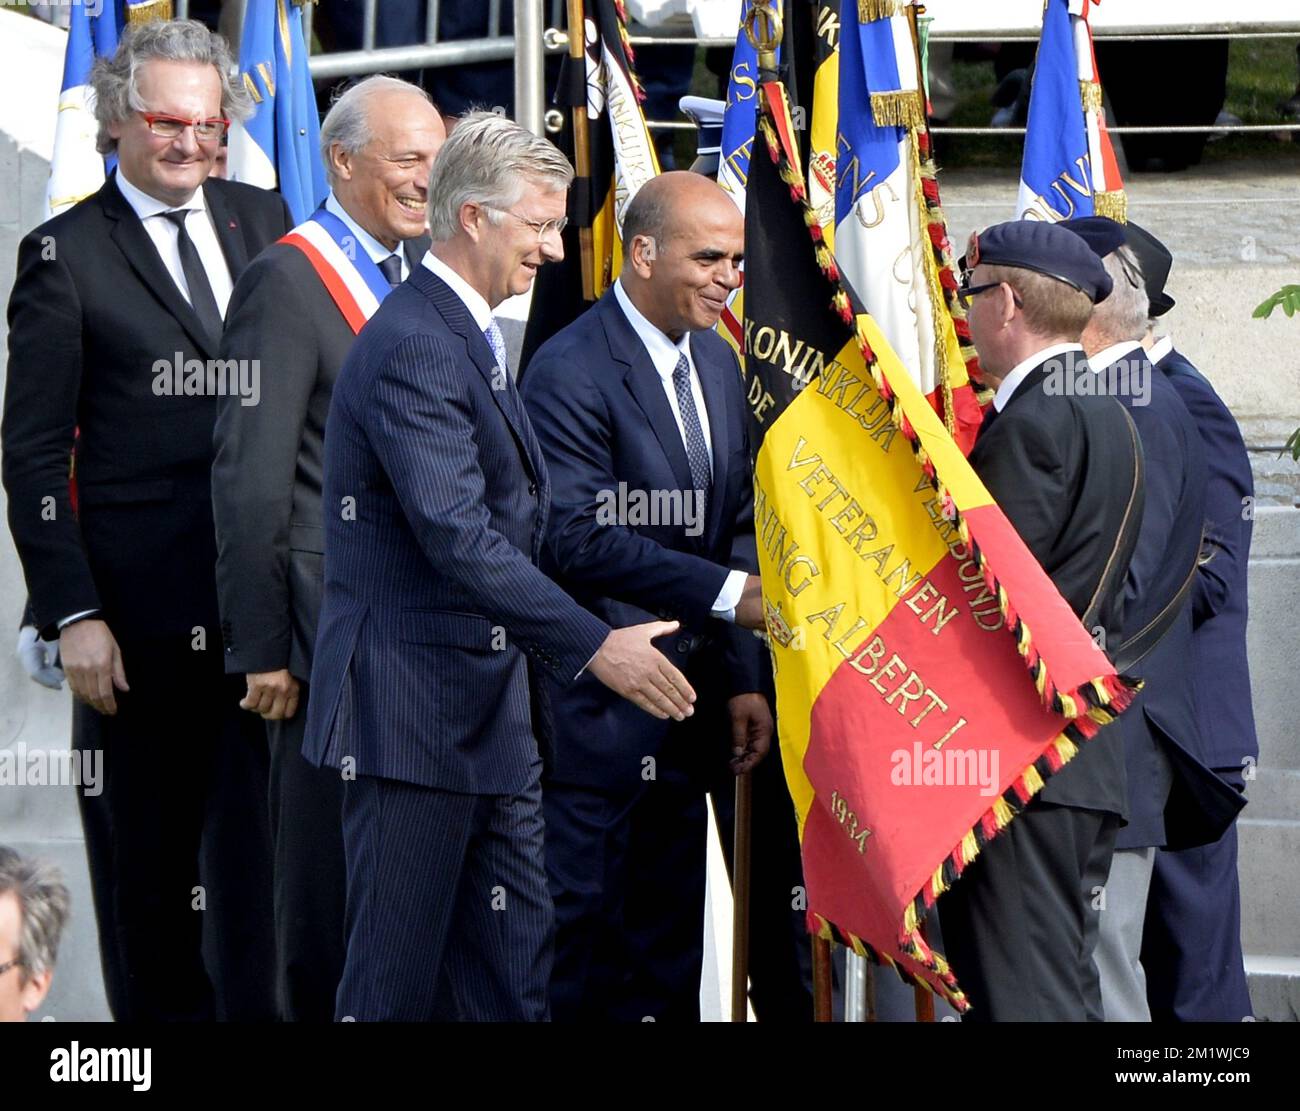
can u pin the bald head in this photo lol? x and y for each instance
(683, 242)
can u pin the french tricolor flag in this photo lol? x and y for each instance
(1069, 166)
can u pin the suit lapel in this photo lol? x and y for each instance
(134, 242)
(230, 234)
(646, 387)
(504, 394)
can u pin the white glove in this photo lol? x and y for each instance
(37, 657)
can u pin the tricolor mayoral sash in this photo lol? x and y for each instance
(352, 277)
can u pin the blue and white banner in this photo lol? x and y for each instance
(278, 147)
(740, 115)
(77, 169)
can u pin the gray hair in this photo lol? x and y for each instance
(1124, 314)
(489, 160)
(348, 122)
(43, 902)
(114, 79)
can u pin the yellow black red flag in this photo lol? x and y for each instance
(929, 675)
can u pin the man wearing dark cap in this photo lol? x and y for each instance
(1191, 944)
(1064, 466)
(1162, 739)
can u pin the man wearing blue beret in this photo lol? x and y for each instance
(1064, 465)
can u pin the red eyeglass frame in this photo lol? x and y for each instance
(150, 117)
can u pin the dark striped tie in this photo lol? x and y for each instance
(697, 451)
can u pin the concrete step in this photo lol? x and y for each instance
(1270, 904)
(1274, 988)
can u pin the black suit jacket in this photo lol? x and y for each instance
(93, 310)
(604, 422)
(1062, 468)
(266, 474)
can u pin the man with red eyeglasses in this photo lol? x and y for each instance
(114, 324)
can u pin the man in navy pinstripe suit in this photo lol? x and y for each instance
(436, 624)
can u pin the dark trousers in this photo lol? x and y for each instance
(1021, 923)
(627, 874)
(446, 901)
(310, 874)
(177, 841)
(1191, 941)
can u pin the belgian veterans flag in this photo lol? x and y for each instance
(1069, 166)
(929, 676)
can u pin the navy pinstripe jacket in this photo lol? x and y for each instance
(434, 612)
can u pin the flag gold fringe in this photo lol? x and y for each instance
(1098, 701)
(1090, 94)
(869, 10)
(898, 109)
(148, 12)
(938, 323)
(1113, 204)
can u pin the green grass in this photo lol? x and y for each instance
(1261, 73)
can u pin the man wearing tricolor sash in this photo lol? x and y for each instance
(297, 311)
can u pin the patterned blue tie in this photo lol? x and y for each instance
(697, 451)
(497, 342)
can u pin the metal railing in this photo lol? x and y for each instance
(537, 36)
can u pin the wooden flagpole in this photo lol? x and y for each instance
(740, 868)
(582, 142)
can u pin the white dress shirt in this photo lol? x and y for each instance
(1020, 371)
(479, 310)
(1160, 349)
(664, 354)
(1112, 354)
(376, 250)
(202, 232)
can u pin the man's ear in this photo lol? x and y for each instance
(341, 160)
(471, 218)
(1007, 302)
(644, 252)
(33, 992)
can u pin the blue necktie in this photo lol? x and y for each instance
(697, 451)
(391, 268)
(496, 341)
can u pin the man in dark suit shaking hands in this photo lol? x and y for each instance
(641, 413)
(114, 325)
(437, 625)
(295, 310)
